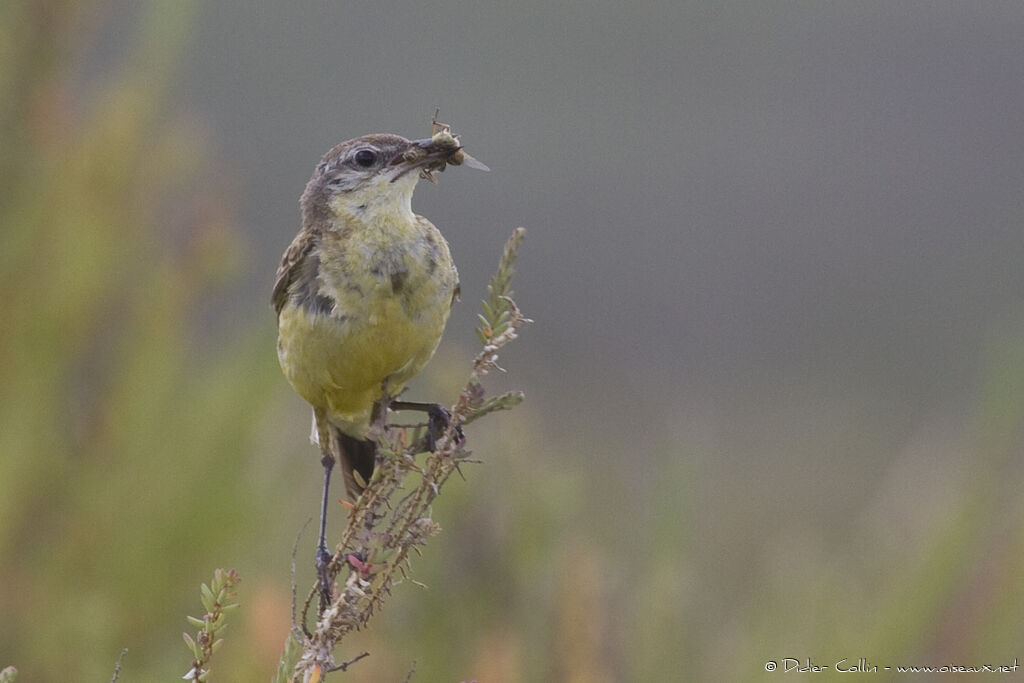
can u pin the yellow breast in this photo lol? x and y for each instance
(391, 283)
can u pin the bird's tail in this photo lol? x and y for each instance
(355, 455)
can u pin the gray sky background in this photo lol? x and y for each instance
(722, 198)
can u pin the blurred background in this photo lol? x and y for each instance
(774, 387)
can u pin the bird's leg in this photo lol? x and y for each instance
(323, 555)
(379, 414)
(438, 419)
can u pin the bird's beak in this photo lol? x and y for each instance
(432, 154)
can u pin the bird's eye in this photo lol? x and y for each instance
(366, 158)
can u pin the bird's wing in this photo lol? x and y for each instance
(295, 264)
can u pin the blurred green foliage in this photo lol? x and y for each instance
(123, 431)
(139, 449)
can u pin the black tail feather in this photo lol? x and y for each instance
(356, 455)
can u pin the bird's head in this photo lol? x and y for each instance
(375, 174)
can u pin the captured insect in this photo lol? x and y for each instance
(442, 137)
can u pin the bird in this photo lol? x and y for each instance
(362, 295)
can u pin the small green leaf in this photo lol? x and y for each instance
(206, 595)
(358, 478)
(192, 646)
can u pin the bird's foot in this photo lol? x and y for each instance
(323, 562)
(438, 419)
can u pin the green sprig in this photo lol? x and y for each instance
(217, 600)
(499, 310)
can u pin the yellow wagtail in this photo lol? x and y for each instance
(362, 296)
